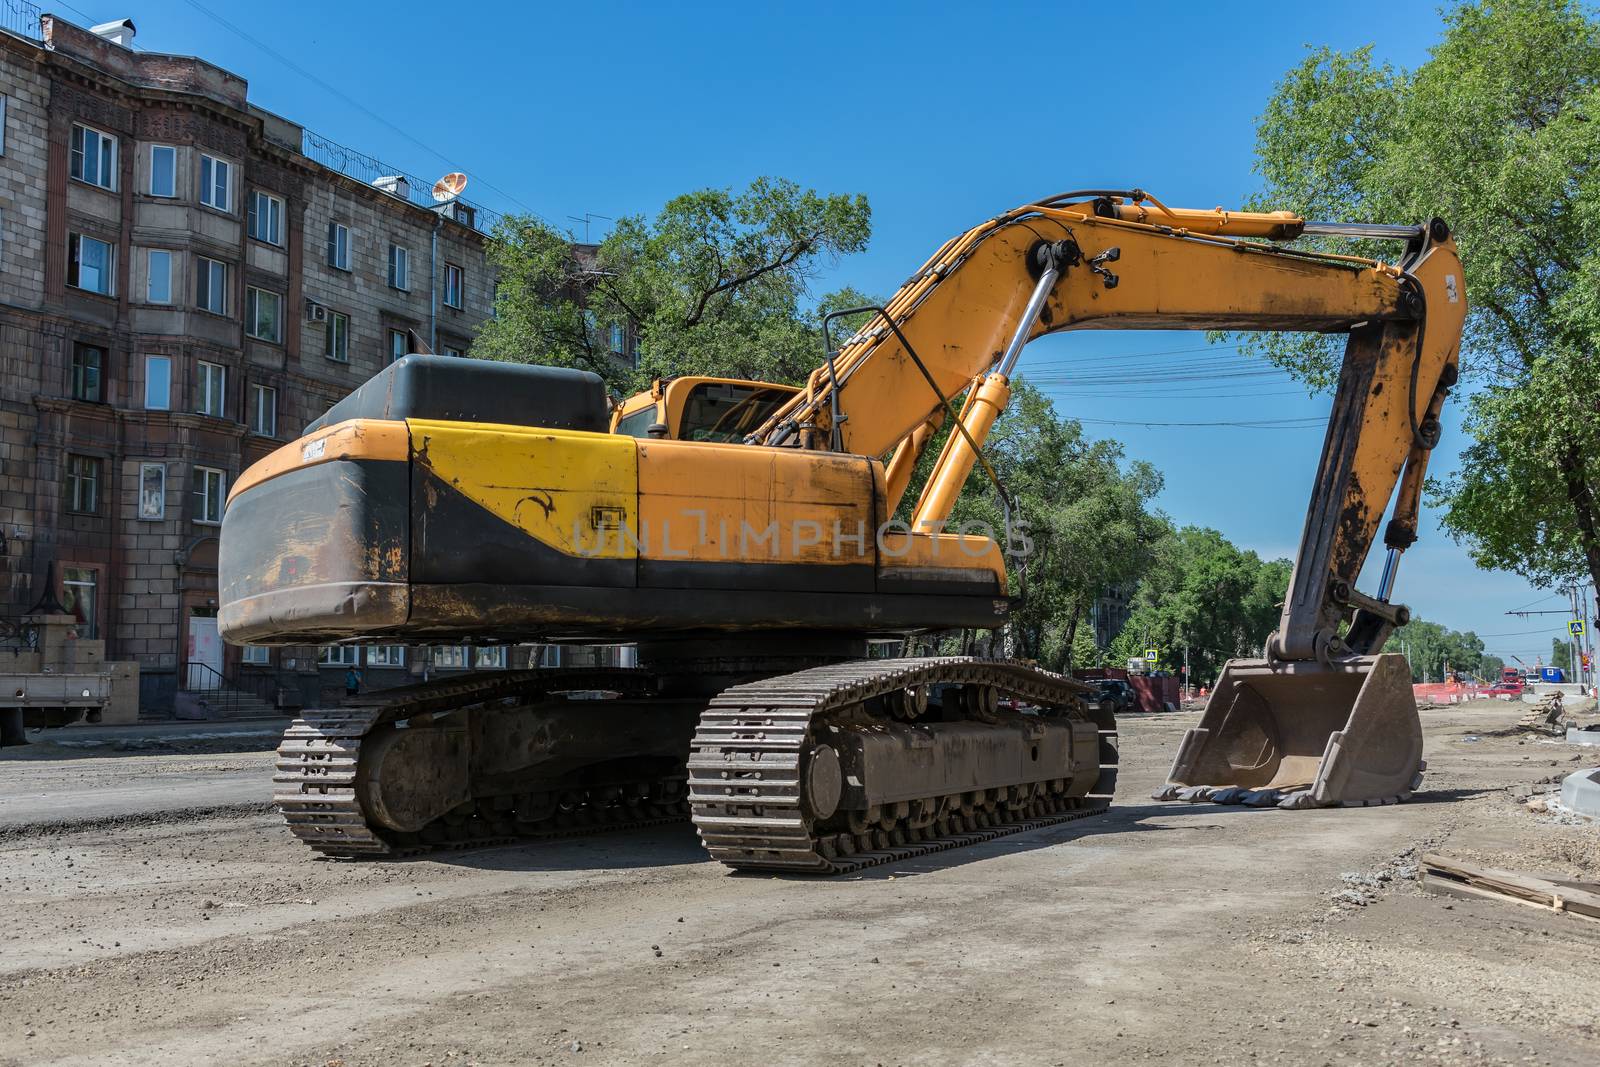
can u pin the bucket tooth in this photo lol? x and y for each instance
(1305, 735)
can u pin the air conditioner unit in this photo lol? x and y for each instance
(315, 312)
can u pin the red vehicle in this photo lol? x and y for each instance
(1511, 684)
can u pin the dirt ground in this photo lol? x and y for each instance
(190, 933)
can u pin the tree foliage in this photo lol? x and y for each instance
(1432, 649)
(1088, 514)
(1204, 593)
(716, 283)
(1498, 132)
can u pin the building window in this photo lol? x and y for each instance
(266, 218)
(157, 383)
(211, 285)
(83, 484)
(264, 410)
(158, 286)
(78, 597)
(338, 246)
(339, 656)
(163, 170)
(94, 157)
(208, 496)
(452, 350)
(399, 268)
(90, 264)
(452, 285)
(397, 345)
(451, 657)
(263, 315)
(87, 362)
(338, 337)
(210, 384)
(490, 659)
(152, 490)
(386, 655)
(256, 655)
(547, 656)
(216, 183)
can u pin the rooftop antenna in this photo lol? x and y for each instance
(586, 218)
(445, 191)
(449, 187)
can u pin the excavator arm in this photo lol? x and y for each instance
(1323, 718)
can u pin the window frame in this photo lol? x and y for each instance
(208, 186)
(75, 264)
(386, 655)
(72, 601)
(255, 655)
(399, 267)
(339, 246)
(78, 155)
(203, 277)
(337, 352)
(398, 344)
(495, 660)
(172, 174)
(150, 274)
(259, 393)
(274, 217)
(90, 475)
(339, 656)
(200, 494)
(141, 512)
(78, 386)
(459, 657)
(204, 381)
(166, 385)
(459, 288)
(252, 313)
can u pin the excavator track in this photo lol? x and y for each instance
(319, 762)
(747, 784)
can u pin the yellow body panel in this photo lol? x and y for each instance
(940, 552)
(572, 491)
(739, 503)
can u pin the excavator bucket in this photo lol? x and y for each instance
(1301, 735)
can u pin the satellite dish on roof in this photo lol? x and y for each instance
(449, 187)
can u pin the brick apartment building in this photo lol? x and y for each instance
(182, 288)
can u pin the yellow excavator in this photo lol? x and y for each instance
(743, 536)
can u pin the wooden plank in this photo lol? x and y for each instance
(1447, 874)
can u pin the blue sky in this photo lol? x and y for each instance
(941, 113)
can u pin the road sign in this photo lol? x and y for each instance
(1151, 655)
(1575, 628)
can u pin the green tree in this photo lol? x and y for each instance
(1432, 649)
(1489, 667)
(1561, 654)
(716, 283)
(1496, 132)
(1203, 592)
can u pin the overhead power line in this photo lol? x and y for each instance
(1256, 424)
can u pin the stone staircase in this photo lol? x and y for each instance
(224, 705)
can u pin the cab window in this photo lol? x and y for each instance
(718, 411)
(638, 424)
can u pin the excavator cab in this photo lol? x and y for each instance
(700, 409)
